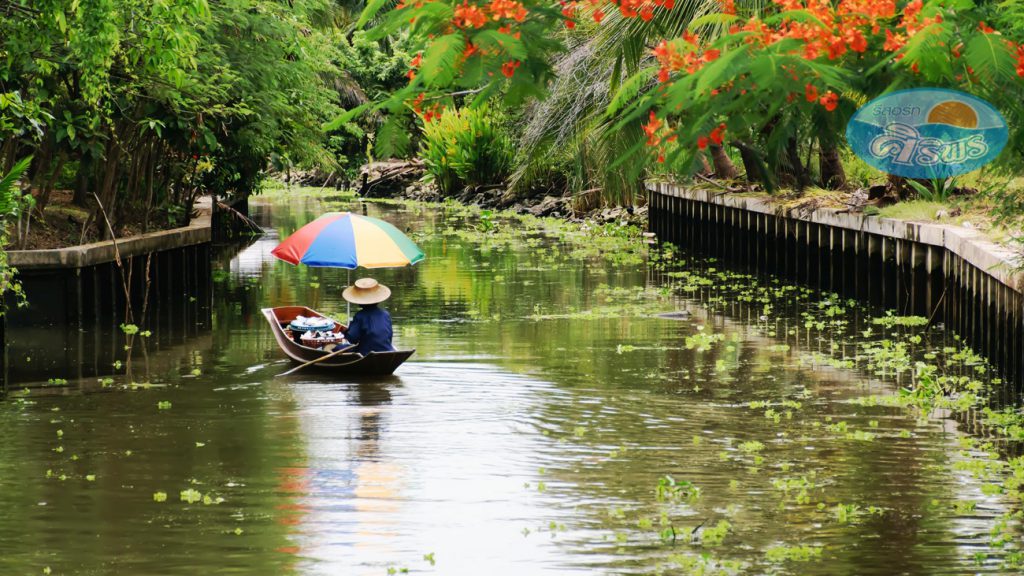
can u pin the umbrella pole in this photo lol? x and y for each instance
(348, 305)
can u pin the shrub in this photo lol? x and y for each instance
(468, 147)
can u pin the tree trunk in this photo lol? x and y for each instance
(705, 167)
(150, 165)
(791, 171)
(83, 179)
(754, 165)
(724, 167)
(108, 188)
(833, 176)
(44, 194)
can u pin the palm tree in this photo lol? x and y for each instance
(573, 118)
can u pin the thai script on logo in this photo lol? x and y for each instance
(927, 133)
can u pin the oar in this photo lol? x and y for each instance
(320, 359)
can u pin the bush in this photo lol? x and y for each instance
(468, 147)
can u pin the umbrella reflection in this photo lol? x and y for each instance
(366, 487)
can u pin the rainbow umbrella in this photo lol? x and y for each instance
(347, 240)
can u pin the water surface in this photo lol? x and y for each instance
(526, 436)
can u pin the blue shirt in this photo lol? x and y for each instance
(370, 329)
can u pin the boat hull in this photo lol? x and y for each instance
(374, 363)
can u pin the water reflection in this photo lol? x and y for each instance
(513, 443)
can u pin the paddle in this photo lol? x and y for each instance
(320, 359)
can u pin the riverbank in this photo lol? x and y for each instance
(198, 231)
(404, 180)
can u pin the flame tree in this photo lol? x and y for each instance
(775, 82)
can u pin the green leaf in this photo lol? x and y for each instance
(796, 16)
(371, 10)
(346, 117)
(712, 20)
(494, 40)
(719, 71)
(629, 89)
(990, 58)
(441, 59)
(392, 139)
(9, 193)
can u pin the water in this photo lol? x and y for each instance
(526, 436)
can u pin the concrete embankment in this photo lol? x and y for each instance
(946, 273)
(77, 298)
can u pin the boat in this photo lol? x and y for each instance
(374, 363)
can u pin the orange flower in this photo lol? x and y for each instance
(716, 134)
(598, 15)
(855, 39)
(507, 9)
(509, 68)
(985, 28)
(893, 42)
(628, 8)
(830, 100)
(652, 128)
(569, 12)
(811, 92)
(728, 6)
(702, 142)
(469, 15)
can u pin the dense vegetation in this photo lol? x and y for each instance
(138, 107)
(746, 88)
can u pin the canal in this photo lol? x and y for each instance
(574, 406)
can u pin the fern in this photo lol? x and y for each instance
(990, 58)
(440, 60)
(10, 196)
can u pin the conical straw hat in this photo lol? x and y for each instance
(366, 291)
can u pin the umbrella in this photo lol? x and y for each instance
(347, 240)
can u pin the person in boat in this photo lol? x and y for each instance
(370, 328)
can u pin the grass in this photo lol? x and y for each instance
(274, 189)
(915, 210)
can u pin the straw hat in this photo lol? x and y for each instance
(366, 291)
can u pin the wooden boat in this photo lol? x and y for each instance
(374, 363)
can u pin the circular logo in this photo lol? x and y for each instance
(927, 133)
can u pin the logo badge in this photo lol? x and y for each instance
(927, 133)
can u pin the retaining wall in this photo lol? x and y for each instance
(947, 273)
(79, 296)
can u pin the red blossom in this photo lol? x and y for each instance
(702, 142)
(509, 68)
(716, 134)
(830, 100)
(811, 92)
(652, 128)
(893, 42)
(509, 9)
(469, 15)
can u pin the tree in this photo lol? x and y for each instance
(774, 82)
(148, 104)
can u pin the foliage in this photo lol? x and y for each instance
(12, 205)
(149, 104)
(467, 147)
(775, 81)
